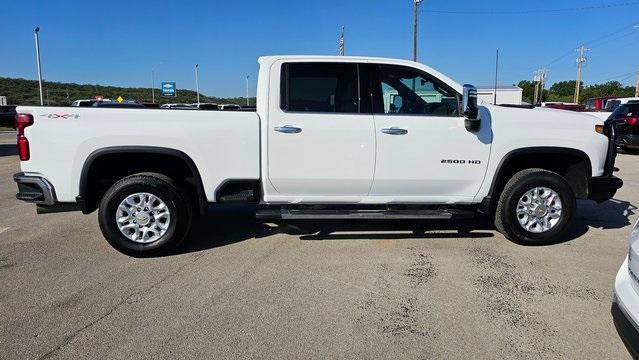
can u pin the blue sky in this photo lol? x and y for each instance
(119, 42)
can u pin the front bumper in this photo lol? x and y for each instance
(625, 309)
(602, 188)
(34, 189)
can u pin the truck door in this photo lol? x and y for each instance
(321, 140)
(423, 148)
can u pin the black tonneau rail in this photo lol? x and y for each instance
(522, 106)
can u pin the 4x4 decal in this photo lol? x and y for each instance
(61, 116)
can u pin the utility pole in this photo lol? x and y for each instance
(247, 91)
(415, 8)
(536, 82)
(197, 82)
(37, 44)
(543, 74)
(539, 78)
(581, 59)
(637, 86)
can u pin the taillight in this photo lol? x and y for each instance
(632, 120)
(23, 121)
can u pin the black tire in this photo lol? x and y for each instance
(506, 220)
(159, 185)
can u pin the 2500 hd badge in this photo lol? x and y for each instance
(449, 161)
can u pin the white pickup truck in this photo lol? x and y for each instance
(332, 137)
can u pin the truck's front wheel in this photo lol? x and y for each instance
(144, 215)
(537, 206)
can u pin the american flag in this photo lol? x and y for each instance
(341, 43)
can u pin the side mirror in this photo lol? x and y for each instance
(471, 110)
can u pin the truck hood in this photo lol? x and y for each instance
(542, 117)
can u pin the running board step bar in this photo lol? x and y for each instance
(302, 214)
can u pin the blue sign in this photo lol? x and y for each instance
(168, 89)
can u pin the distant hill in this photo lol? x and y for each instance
(25, 92)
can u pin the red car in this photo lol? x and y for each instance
(598, 103)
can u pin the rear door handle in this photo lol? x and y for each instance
(395, 131)
(288, 129)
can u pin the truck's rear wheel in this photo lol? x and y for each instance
(144, 215)
(536, 207)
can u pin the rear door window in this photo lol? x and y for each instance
(320, 87)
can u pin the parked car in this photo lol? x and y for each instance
(173, 106)
(205, 106)
(626, 121)
(84, 103)
(598, 103)
(625, 306)
(317, 149)
(115, 104)
(230, 107)
(7, 116)
(613, 104)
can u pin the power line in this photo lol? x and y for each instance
(534, 11)
(595, 41)
(566, 54)
(616, 77)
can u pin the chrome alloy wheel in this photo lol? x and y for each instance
(143, 218)
(539, 210)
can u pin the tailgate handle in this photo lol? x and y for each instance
(288, 129)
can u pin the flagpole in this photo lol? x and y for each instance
(341, 43)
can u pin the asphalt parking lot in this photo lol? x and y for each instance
(242, 289)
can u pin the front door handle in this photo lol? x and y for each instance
(395, 131)
(288, 129)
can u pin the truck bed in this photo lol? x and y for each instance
(223, 145)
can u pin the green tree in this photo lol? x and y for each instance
(562, 89)
(529, 90)
(25, 92)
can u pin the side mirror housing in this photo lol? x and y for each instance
(471, 110)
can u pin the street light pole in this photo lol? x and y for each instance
(37, 44)
(247, 91)
(153, 84)
(197, 82)
(415, 7)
